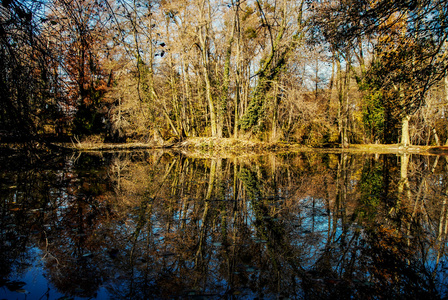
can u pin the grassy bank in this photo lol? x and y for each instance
(208, 144)
(198, 143)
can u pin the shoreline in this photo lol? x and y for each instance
(231, 145)
(208, 144)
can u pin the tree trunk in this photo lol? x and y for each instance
(226, 80)
(203, 36)
(405, 138)
(238, 73)
(186, 100)
(446, 97)
(275, 114)
(343, 85)
(436, 136)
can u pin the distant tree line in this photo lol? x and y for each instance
(312, 72)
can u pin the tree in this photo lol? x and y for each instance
(410, 46)
(28, 85)
(273, 61)
(82, 40)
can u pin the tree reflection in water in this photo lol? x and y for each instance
(143, 225)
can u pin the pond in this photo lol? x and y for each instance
(158, 225)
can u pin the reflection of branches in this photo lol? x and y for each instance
(277, 229)
(147, 205)
(48, 253)
(75, 159)
(117, 167)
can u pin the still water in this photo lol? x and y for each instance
(165, 225)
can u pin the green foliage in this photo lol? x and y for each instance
(253, 118)
(381, 109)
(247, 13)
(89, 116)
(88, 120)
(316, 134)
(143, 77)
(373, 115)
(250, 33)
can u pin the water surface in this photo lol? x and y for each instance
(148, 225)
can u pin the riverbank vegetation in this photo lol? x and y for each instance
(315, 73)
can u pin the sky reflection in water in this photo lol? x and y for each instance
(145, 225)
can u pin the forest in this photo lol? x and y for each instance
(318, 73)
